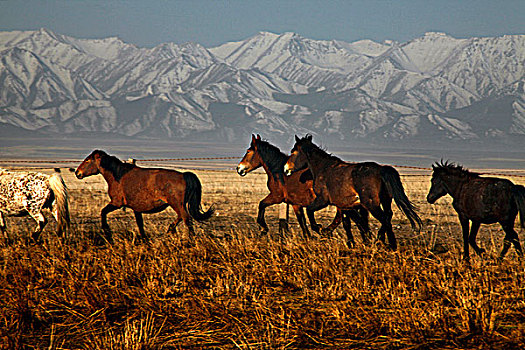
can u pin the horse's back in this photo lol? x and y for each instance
(357, 174)
(146, 189)
(487, 199)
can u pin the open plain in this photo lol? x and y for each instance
(235, 289)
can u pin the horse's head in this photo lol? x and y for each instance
(438, 187)
(297, 159)
(90, 165)
(252, 159)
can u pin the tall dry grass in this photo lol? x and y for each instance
(233, 289)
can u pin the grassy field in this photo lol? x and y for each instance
(234, 289)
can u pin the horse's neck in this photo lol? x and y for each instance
(276, 168)
(454, 186)
(108, 176)
(318, 161)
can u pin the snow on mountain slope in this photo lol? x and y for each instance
(431, 88)
(427, 53)
(29, 81)
(305, 61)
(364, 47)
(487, 65)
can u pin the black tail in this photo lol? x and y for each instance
(518, 193)
(192, 198)
(392, 181)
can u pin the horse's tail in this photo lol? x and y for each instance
(60, 191)
(392, 181)
(518, 193)
(192, 198)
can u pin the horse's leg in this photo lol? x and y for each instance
(472, 238)
(140, 224)
(347, 226)
(510, 237)
(386, 225)
(172, 228)
(316, 205)
(269, 200)
(42, 221)
(386, 203)
(299, 213)
(3, 228)
(327, 231)
(313, 223)
(360, 217)
(105, 227)
(283, 219)
(182, 215)
(465, 228)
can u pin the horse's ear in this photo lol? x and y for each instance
(253, 138)
(296, 138)
(258, 137)
(309, 137)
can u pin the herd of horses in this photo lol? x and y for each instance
(309, 178)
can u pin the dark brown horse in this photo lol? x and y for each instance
(295, 189)
(145, 190)
(351, 185)
(482, 200)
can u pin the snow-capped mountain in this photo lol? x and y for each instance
(431, 89)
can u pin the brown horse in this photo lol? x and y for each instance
(482, 200)
(145, 190)
(351, 185)
(295, 190)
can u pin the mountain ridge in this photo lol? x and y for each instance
(433, 87)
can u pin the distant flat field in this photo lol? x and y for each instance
(42, 148)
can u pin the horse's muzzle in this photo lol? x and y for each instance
(79, 175)
(241, 171)
(431, 199)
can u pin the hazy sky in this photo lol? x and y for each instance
(213, 22)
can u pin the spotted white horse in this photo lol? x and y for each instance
(27, 193)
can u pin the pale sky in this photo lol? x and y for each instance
(213, 22)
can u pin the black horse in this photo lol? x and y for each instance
(482, 200)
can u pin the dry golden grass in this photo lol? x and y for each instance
(233, 289)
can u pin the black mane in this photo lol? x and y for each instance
(272, 157)
(453, 169)
(114, 165)
(308, 147)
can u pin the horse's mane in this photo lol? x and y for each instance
(272, 156)
(114, 165)
(309, 148)
(453, 169)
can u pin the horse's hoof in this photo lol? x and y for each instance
(316, 228)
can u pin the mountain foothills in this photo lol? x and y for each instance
(433, 89)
